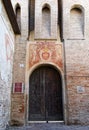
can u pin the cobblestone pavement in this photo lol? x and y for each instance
(49, 126)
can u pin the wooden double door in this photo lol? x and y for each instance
(45, 95)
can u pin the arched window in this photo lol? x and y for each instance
(31, 15)
(18, 15)
(46, 21)
(60, 22)
(76, 23)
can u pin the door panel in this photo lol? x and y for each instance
(53, 91)
(45, 95)
(36, 96)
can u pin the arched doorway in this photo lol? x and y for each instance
(45, 95)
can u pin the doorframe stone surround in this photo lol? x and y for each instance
(27, 76)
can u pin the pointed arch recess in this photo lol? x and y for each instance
(77, 21)
(18, 14)
(46, 20)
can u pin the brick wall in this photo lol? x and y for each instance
(77, 66)
(75, 59)
(18, 100)
(20, 46)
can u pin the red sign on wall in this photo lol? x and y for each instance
(18, 88)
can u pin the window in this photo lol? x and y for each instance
(76, 23)
(46, 21)
(18, 15)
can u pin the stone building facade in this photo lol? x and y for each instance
(50, 70)
(53, 34)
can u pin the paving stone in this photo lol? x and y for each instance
(49, 126)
